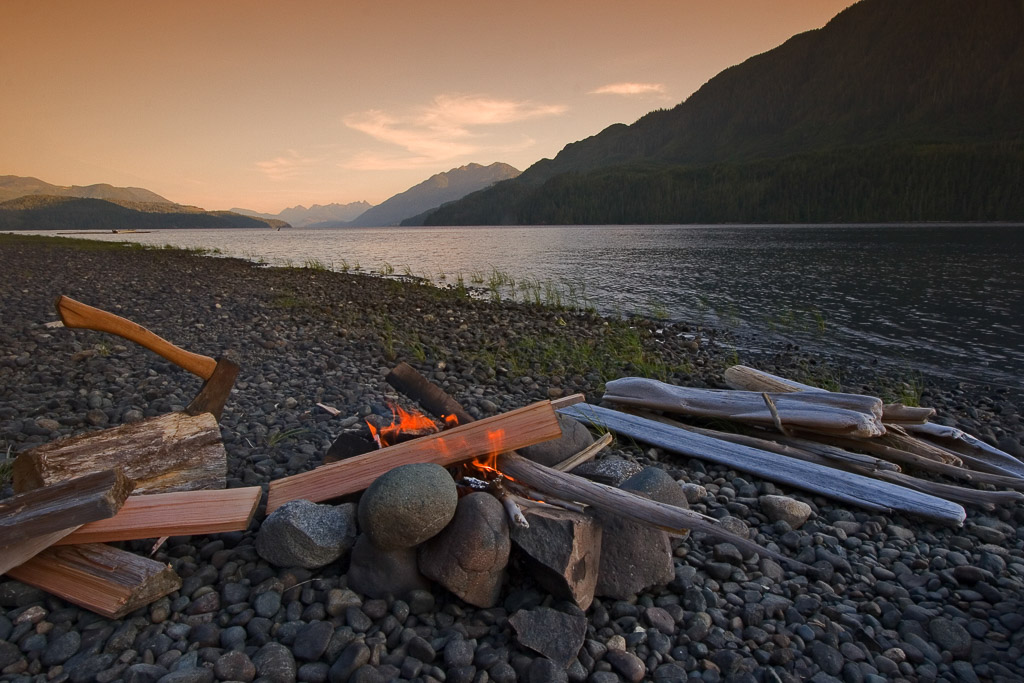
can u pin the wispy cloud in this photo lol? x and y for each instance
(450, 127)
(630, 89)
(289, 165)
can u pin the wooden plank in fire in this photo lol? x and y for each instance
(516, 429)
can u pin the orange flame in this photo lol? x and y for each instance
(451, 420)
(488, 464)
(401, 421)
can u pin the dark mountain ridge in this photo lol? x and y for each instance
(49, 212)
(433, 192)
(886, 87)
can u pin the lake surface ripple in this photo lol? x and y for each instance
(942, 300)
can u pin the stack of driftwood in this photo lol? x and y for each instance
(848, 447)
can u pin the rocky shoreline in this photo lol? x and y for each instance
(906, 600)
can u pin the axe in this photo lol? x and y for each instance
(219, 374)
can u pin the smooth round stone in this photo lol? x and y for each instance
(407, 505)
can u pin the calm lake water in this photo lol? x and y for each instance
(924, 300)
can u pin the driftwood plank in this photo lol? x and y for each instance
(173, 452)
(817, 411)
(180, 513)
(33, 521)
(516, 429)
(748, 379)
(99, 577)
(848, 487)
(967, 445)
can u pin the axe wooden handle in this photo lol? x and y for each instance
(76, 314)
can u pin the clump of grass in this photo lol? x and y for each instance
(387, 269)
(275, 439)
(315, 264)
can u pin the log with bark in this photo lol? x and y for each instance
(851, 488)
(817, 411)
(99, 577)
(173, 452)
(33, 521)
(516, 429)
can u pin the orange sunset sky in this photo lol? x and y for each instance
(264, 105)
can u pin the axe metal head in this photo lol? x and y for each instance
(214, 393)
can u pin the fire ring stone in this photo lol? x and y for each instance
(407, 505)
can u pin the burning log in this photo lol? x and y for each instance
(817, 411)
(181, 513)
(850, 488)
(173, 452)
(435, 400)
(99, 577)
(31, 522)
(515, 429)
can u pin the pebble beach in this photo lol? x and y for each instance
(894, 599)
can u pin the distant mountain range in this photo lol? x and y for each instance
(404, 208)
(32, 204)
(433, 192)
(315, 216)
(894, 111)
(12, 187)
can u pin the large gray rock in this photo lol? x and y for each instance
(378, 573)
(469, 557)
(305, 534)
(563, 550)
(635, 557)
(575, 437)
(556, 635)
(789, 510)
(407, 505)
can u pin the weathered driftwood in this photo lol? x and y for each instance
(173, 452)
(98, 577)
(67, 504)
(675, 520)
(918, 462)
(966, 445)
(586, 454)
(516, 429)
(815, 411)
(748, 379)
(180, 513)
(851, 488)
(858, 463)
